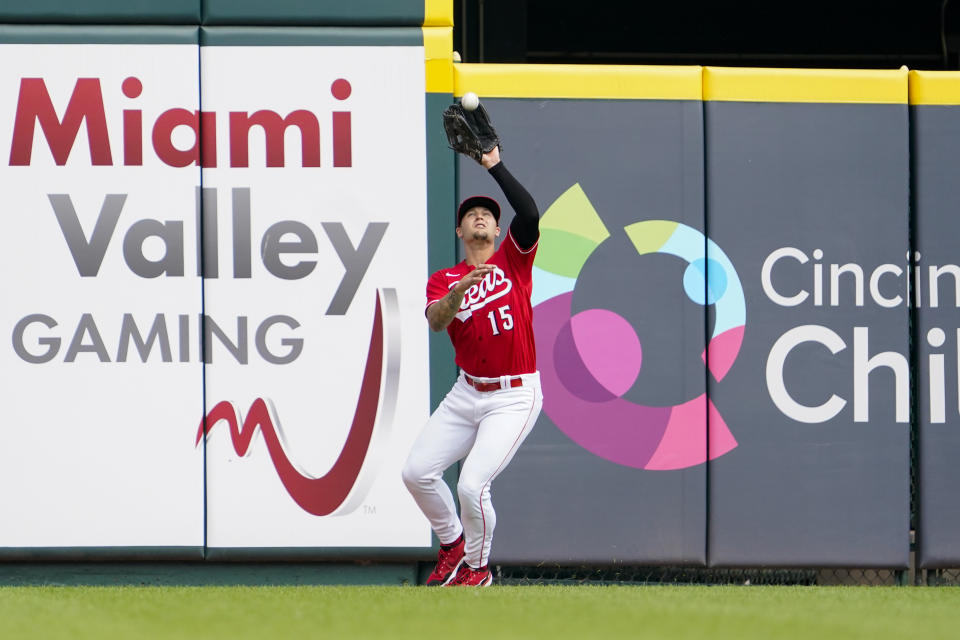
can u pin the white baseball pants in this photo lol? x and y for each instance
(485, 429)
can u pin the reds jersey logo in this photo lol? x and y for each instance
(494, 285)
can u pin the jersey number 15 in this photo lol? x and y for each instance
(506, 320)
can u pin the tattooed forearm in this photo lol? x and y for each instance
(441, 314)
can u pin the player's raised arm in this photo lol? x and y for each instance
(525, 227)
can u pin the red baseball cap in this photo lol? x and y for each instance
(478, 201)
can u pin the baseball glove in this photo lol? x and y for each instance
(469, 132)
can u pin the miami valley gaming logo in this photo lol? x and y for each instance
(591, 357)
(341, 489)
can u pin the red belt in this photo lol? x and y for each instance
(492, 386)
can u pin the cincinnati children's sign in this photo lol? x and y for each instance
(793, 277)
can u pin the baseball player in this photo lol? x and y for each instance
(484, 304)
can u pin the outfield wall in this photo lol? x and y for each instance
(231, 212)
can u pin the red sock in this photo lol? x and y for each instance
(447, 547)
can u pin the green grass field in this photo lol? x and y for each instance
(663, 612)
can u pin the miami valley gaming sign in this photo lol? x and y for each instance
(185, 242)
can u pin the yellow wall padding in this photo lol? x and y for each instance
(935, 87)
(438, 52)
(732, 84)
(577, 81)
(805, 85)
(438, 13)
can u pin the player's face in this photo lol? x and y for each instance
(478, 223)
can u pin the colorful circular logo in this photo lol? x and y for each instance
(590, 359)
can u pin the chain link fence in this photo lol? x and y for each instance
(552, 574)
(943, 577)
(545, 574)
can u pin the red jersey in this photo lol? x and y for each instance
(492, 333)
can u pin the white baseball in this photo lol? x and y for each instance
(470, 101)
